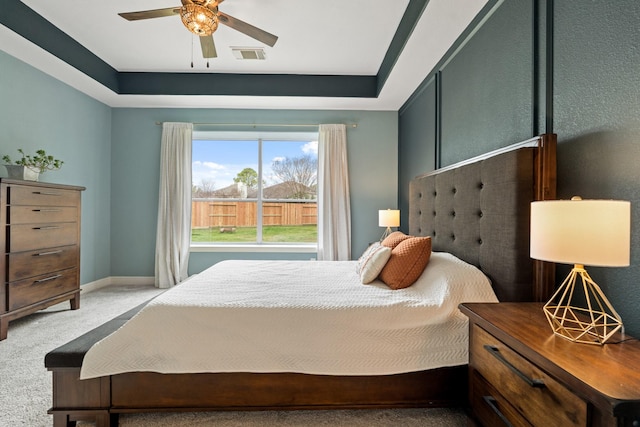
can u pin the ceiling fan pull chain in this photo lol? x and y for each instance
(192, 51)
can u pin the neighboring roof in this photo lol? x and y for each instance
(287, 190)
(233, 191)
(283, 190)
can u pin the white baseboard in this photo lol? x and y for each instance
(116, 281)
(133, 280)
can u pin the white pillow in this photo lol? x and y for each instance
(365, 256)
(372, 261)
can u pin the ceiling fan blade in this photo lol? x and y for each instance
(148, 14)
(248, 29)
(208, 47)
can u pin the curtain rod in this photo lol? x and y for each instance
(352, 125)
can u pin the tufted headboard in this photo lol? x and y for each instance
(479, 211)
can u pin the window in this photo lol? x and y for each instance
(254, 190)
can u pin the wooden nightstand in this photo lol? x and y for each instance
(521, 374)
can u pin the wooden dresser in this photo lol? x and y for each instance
(40, 237)
(521, 374)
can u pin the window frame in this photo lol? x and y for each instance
(258, 246)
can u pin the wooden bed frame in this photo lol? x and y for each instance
(440, 206)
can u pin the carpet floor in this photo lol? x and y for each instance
(25, 384)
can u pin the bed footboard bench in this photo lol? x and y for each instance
(87, 400)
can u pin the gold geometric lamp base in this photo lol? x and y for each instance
(593, 324)
(385, 234)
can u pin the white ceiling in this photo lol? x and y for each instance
(338, 37)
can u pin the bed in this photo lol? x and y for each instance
(476, 211)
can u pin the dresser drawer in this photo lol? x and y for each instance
(34, 263)
(33, 236)
(41, 214)
(538, 397)
(41, 196)
(25, 292)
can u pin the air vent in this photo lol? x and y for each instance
(249, 53)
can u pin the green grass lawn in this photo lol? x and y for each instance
(273, 233)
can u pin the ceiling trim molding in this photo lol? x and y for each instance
(24, 21)
(247, 84)
(409, 20)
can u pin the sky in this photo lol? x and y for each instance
(220, 161)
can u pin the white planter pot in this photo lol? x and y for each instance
(22, 172)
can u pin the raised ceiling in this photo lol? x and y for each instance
(334, 54)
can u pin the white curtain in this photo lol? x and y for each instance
(334, 209)
(173, 236)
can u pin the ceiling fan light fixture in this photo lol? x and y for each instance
(200, 20)
(206, 3)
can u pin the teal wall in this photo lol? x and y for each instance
(597, 119)
(502, 84)
(372, 153)
(417, 135)
(477, 99)
(38, 111)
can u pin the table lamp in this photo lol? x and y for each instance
(388, 218)
(581, 232)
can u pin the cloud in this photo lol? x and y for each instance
(213, 165)
(278, 159)
(208, 171)
(310, 148)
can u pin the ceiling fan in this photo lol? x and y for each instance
(201, 17)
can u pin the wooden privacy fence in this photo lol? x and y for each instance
(205, 214)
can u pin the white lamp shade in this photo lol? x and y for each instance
(587, 232)
(389, 218)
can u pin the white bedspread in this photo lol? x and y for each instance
(297, 316)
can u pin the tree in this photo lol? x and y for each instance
(206, 189)
(300, 174)
(248, 177)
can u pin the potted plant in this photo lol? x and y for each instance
(29, 167)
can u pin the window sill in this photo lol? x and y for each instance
(237, 247)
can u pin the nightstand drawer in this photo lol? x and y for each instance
(490, 407)
(538, 397)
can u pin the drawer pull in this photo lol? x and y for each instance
(48, 253)
(46, 279)
(495, 352)
(46, 193)
(491, 401)
(46, 227)
(46, 210)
